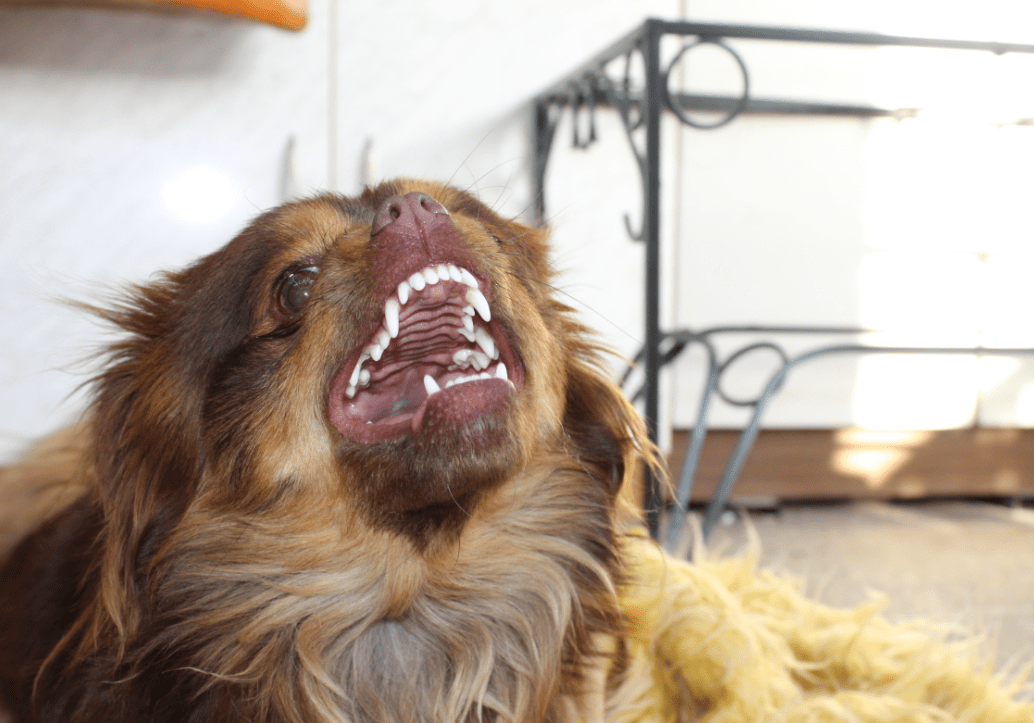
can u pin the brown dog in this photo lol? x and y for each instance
(358, 465)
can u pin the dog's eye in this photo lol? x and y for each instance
(295, 289)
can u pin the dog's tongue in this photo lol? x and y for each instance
(460, 405)
(408, 409)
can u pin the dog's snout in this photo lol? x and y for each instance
(410, 212)
(412, 232)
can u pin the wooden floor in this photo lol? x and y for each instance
(861, 464)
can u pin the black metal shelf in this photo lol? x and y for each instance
(641, 103)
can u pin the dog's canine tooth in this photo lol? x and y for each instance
(431, 276)
(431, 385)
(480, 303)
(403, 291)
(353, 381)
(417, 281)
(484, 340)
(391, 317)
(500, 372)
(468, 278)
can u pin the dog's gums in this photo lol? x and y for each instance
(437, 334)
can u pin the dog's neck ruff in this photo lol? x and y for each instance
(490, 636)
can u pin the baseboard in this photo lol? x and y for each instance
(862, 464)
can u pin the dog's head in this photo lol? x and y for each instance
(401, 350)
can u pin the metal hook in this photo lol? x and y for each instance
(581, 92)
(635, 236)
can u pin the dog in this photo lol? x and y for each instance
(361, 464)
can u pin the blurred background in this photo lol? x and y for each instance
(134, 140)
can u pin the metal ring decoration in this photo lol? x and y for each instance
(741, 104)
(724, 367)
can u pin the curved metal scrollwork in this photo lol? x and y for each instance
(631, 111)
(583, 93)
(676, 108)
(678, 341)
(595, 83)
(739, 354)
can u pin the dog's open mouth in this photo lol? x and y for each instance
(438, 355)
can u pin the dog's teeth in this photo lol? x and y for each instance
(431, 385)
(462, 357)
(391, 317)
(383, 339)
(364, 377)
(350, 392)
(479, 360)
(431, 276)
(468, 322)
(500, 372)
(469, 310)
(444, 273)
(454, 273)
(374, 351)
(468, 278)
(354, 379)
(417, 281)
(484, 340)
(404, 289)
(468, 335)
(480, 303)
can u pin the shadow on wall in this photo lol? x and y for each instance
(99, 42)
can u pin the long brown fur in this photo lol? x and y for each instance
(235, 558)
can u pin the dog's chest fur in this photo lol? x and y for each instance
(504, 624)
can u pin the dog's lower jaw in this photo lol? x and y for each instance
(427, 488)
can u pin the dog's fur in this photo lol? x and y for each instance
(240, 553)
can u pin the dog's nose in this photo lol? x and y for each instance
(410, 213)
(411, 232)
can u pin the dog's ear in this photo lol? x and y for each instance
(608, 434)
(147, 412)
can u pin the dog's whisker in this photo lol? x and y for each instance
(463, 163)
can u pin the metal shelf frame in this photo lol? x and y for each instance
(640, 102)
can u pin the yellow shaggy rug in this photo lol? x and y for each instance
(720, 641)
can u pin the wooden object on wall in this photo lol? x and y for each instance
(287, 14)
(788, 465)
